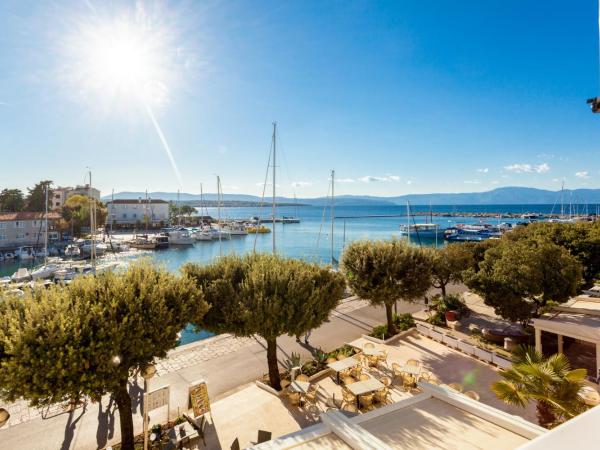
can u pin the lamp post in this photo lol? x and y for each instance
(148, 372)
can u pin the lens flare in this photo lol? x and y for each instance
(125, 60)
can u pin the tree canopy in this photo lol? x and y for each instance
(12, 200)
(519, 277)
(36, 197)
(449, 263)
(76, 211)
(266, 295)
(383, 272)
(581, 239)
(87, 338)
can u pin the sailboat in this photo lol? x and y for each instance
(294, 218)
(46, 270)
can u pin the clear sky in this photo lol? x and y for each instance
(399, 97)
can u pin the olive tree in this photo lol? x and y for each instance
(87, 339)
(448, 264)
(268, 296)
(517, 278)
(383, 272)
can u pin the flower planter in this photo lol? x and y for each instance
(387, 341)
(321, 374)
(267, 388)
(466, 347)
(450, 341)
(436, 335)
(501, 362)
(451, 316)
(482, 354)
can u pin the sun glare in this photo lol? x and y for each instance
(121, 59)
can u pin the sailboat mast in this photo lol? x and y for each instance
(408, 221)
(332, 211)
(46, 227)
(562, 203)
(92, 226)
(219, 215)
(274, 170)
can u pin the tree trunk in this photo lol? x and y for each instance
(545, 416)
(443, 288)
(123, 401)
(274, 378)
(390, 319)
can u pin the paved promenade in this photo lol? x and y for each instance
(225, 362)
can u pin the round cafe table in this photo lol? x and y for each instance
(589, 395)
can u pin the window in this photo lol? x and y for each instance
(134, 215)
(124, 216)
(2, 237)
(20, 236)
(2, 225)
(19, 224)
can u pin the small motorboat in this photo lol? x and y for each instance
(21, 275)
(8, 256)
(45, 271)
(72, 251)
(25, 252)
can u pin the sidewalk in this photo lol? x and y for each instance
(224, 362)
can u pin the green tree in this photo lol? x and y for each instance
(550, 382)
(36, 197)
(12, 200)
(76, 211)
(581, 239)
(268, 296)
(449, 263)
(89, 338)
(517, 278)
(383, 272)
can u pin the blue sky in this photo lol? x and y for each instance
(398, 97)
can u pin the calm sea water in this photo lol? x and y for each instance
(311, 238)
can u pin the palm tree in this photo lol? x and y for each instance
(550, 382)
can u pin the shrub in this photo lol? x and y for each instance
(402, 322)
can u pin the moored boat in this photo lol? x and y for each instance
(422, 231)
(25, 252)
(45, 271)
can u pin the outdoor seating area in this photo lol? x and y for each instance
(355, 386)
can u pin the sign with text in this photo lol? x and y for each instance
(158, 398)
(199, 398)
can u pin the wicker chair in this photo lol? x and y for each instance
(386, 381)
(350, 407)
(364, 377)
(372, 361)
(302, 377)
(311, 396)
(369, 345)
(356, 372)
(397, 370)
(382, 396)
(341, 356)
(472, 394)
(348, 380)
(366, 401)
(349, 397)
(408, 381)
(382, 358)
(331, 360)
(456, 387)
(413, 362)
(294, 398)
(285, 383)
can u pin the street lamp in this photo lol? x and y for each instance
(147, 372)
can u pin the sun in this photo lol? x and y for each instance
(121, 59)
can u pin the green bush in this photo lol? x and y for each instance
(451, 302)
(402, 322)
(437, 319)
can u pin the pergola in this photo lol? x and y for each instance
(578, 319)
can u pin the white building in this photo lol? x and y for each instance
(137, 211)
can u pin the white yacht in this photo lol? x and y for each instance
(25, 252)
(422, 231)
(202, 235)
(86, 247)
(180, 237)
(234, 229)
(72, 251)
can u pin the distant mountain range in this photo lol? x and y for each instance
(499, 196)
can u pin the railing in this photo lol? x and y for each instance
(482, 354)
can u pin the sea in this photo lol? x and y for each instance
(311, 239)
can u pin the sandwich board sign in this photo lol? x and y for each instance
(153, 400)
(199, 398)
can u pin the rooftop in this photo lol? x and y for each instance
(28, 215)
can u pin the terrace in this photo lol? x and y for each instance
(239, 415)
